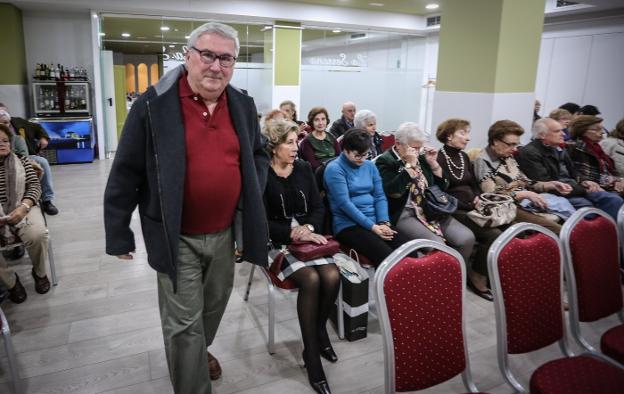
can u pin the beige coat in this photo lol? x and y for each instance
(614, 147)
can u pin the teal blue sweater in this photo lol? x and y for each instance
(356, 195)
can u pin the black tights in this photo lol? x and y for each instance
(318, 289)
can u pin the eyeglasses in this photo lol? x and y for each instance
(296, 214)
(209, 57)
(510, 145)
(359, 156)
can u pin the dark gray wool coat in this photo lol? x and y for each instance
(149, 171)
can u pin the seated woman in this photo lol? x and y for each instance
(295, 211)
(318, 146)
(405, 174)
(455, 135)
(357, 201)
(18, 144)
(21, 218)
(498, 172)
(564, 117)
(367, 120)
(614, 147)
(591, 162)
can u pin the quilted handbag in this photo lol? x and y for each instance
(493, 210)
(306, 251)
(438, 204)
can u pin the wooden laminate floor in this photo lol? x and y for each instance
(99, 331)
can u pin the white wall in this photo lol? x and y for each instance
(583, 63)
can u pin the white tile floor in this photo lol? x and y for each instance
(99, 330)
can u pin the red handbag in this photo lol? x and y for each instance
(306, 251)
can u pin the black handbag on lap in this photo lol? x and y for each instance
(438, 204)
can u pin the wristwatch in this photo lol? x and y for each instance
(310, 227)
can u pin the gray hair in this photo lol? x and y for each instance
(225, 31)
(540, 128)
(5, 114)
(409, 131)
(362, 117)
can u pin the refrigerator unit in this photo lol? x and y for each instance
(63, 109)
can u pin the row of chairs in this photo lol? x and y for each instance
(421, 307)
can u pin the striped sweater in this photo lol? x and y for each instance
(32, 186)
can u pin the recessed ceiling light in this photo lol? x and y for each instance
(376, 4)
(432, 6)
(102, 34)
(164, 28)
(171, 46)
(125, 35)
(187, 37)
(336, 31)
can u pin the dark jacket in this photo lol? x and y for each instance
(149, 171)
(31, 132)
(396, 181)
(465, 189)
(296, 196)
(339, 127)
(586, 163)
(541, 163)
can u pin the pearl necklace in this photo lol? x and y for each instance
(452, 165)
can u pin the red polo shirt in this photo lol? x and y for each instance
(213, 179)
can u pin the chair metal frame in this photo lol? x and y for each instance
(50, 255)
(499, 303)
(566, 231)
(271, 295)
(620, 225)
(10, 352)
(386, 331)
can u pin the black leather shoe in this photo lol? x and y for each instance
(486, 295)
(49, 208)
(321, 387)
(329, 354)
(17, 293)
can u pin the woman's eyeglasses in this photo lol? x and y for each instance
(296, 214)
(510, 145)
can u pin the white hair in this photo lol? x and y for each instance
(221, 29)
(5, 114)
(540, 128)
(362, 117)
(409, 131)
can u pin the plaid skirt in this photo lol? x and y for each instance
(290, 264)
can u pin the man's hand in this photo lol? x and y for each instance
(562, 188)
(591, 186)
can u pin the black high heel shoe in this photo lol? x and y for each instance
(328, 354)
(486, 295)
(320, 386)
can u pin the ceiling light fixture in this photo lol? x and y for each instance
(171, 46)
(265, 28)
(164, 28)
(432, 6)
(336, 31)
(376, 4)
(102, 34)
(187, 37)
(125, 35)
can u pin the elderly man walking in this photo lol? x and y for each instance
(191, 157)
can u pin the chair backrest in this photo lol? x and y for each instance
(620, 223)
(387, 140)
(527, 277)
(589, 239)
(421, 304)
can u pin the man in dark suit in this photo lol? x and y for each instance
(192, 158)
(340, 126)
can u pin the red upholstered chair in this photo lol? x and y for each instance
(527, 282)
(273, 284)
(589, 240)
(421, 311)
(387, 140)
(10, 352)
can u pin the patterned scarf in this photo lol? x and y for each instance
(14, 183)
(605, 162)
